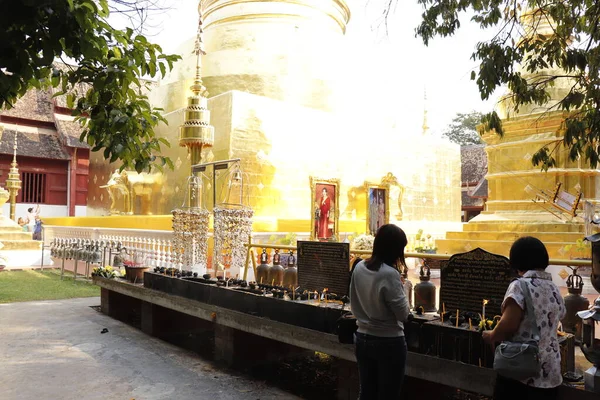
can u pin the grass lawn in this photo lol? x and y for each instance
(29, 285)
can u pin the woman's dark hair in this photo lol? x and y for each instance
(388, 247)
(30, 209)
(528, 253)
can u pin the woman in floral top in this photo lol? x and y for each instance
(529, 257)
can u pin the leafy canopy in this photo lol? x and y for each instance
(530, 63)
(105, 89)
(463, 129)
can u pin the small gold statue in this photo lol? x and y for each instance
(120, 196)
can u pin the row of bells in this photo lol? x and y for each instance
(275, 274)
(77, 249)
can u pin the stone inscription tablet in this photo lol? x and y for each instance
(468, 278)
(324, 265)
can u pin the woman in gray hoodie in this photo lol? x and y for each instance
(380, 306)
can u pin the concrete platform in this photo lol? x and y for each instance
(54, 350)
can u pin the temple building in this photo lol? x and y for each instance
(52, 161)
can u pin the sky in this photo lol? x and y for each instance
(409, 67)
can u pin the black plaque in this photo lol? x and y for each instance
(324, 265)
(468, 278)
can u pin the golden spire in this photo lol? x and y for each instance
(196, 132)
(13, 182)
(425, 125)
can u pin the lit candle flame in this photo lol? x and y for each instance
(485, 301)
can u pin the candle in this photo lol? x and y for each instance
(261, 278)
(483, 313)
(470, 324)
(443, 308)
(457, 318)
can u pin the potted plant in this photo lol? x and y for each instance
(580, 250)
(134, 269)
(107, 272)
(424, 243)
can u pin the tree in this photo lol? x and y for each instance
(137, 12)
(463, 129)
(538, 44)
(105, 89)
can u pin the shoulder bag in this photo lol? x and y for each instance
(520, 360)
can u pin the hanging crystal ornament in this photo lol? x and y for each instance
(190, 230)
(232, 225)
(232, 228)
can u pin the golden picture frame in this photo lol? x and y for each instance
(377, 207)
(324, 209)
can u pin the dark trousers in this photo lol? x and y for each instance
(381, 363)
(509, 389)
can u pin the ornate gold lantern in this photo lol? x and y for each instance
(196, 133)
(13, 182)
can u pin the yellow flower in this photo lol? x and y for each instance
(109, 268)
(489, 323)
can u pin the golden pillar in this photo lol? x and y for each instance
(196, 132)
(13, 182)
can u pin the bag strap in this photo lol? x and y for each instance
(530, 310)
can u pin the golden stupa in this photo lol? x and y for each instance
(272, 71)
(513, 180)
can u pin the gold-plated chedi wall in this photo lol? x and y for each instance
(270, 71)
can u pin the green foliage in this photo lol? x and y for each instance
(463, 129)
(570, 53)
(106, 89)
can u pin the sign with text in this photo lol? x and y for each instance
(324, 265)
(468, 278)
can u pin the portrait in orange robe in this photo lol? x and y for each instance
(324, 210)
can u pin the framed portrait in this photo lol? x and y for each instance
(325, 210)
(378, 206)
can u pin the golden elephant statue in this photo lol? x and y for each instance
(133, 193)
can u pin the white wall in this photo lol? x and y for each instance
(80, 211)
(45, 210)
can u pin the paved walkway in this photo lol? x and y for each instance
(53, 350)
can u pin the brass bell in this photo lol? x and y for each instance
(425, 291)
(574, 302)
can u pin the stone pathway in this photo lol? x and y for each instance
(53, 350)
